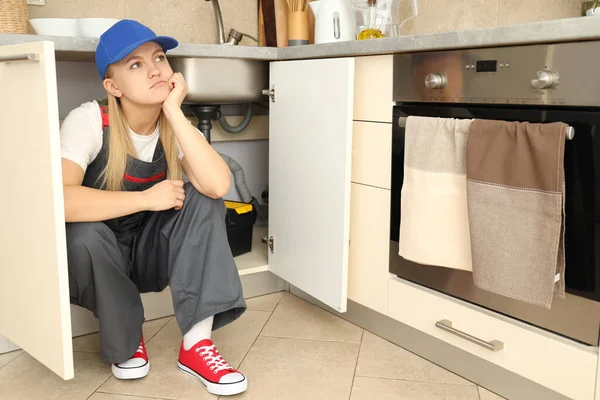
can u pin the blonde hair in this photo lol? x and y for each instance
(120, 146)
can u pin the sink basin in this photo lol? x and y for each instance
(222, 80)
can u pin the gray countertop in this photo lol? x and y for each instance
(563, 30)
(83, 49)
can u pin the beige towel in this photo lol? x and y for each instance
(515, 195)
(434, 226)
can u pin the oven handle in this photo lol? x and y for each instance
(570, 133)
(446, 325)
(402, 122)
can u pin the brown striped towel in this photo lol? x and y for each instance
(434, 225)
(515, 197)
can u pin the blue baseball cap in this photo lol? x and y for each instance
(124, 37)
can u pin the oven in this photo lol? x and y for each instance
(538, 84)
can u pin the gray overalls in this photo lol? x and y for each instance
(112, 262)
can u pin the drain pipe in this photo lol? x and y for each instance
(243, 125)
(242, 187)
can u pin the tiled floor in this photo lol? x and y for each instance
(288, 348)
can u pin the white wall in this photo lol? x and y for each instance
(253, 157)
(78, 82)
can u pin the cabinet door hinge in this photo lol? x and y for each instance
(269, 241)
(270, 93)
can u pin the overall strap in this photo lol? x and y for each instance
(104, 115)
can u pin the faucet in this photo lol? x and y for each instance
(234, 37)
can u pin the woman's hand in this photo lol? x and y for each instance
(179, 90)
(164, 195)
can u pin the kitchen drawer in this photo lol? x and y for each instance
(552, 361)
(372, 154)
(369, 252)
(373, 83)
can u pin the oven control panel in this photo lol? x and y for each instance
(543, 79)
(527, 75)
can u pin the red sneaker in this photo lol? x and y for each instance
(204, 363)
(136, 367)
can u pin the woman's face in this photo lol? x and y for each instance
(141, 77)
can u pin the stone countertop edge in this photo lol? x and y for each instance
(547, 32)
(556, 31)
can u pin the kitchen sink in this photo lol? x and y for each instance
(222, 80)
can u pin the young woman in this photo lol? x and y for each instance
(133, 226)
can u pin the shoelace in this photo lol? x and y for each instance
(140, 349)
(212, 356)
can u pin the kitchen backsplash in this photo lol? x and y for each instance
(449, 15)
(189, 21)
(193, 20)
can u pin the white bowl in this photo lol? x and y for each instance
(55, 26)
(95, 27)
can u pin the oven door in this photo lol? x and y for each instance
(577, 317)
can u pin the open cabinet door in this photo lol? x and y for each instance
(310, 152)
(34, 286)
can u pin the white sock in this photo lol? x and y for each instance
(200, 331)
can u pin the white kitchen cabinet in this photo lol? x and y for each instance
(310, 153)
(370, 214)
(372, 154)
(373, 85)
(309, 199)
(34, 291)
(558, 363)
(369, 246)
(371, 182)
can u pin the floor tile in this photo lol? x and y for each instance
(293, 369)
(377, 388)
(8, 357)
(264, 303)
(485, 394)
(165, 379)
(298, 319)
(110, 396)
(234, 340)
(91, 343)
(27, 378)
(382, 359)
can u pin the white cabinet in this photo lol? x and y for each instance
(372, 154)
(373, 86)
(560, 364)
(369, 246)
(309, 197)
(371, 182)
(34, 291)
(310, 152)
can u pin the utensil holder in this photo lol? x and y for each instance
(297, 28)
(14, 16)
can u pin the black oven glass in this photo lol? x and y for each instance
(582, 159)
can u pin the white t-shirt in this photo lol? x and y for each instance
(81, 137)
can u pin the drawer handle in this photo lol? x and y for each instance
(20, 57)
(446, 325)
